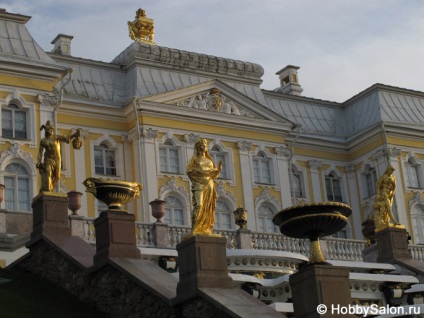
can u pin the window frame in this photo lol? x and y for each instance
(372, 172)
(266, 216)
(330, 180)
(168, 145)
(105, 150)
(171, 210)
(259, 159)
(414, 173)
(218, 216)
(16, 177)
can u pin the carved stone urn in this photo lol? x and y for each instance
(74, 201)
(240, 217)
(312, 221)
(2, 186)
(158, 209)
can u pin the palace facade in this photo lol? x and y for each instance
(141, 114)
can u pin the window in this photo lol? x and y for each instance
(417, 223)
(413, 170)
(217, 156)
(265, 215)
(174, 211)
(297, 183)
(169, 158)
(104, 160)
(334, 188)
(14, 122)
(262, 168)
(222, 216)
(17, 192)
(370, 181)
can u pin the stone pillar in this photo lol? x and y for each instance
(160, 234)
(77, 225)
(314, 166)
(202, 264)
(115, 236)
(392, 244)
(244, 239)
(325, 284)
(50, 215)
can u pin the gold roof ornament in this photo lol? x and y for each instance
(142, 28)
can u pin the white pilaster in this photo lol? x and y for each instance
(244, 148)
(354, 202)
(283, 155)
(81, 175)
(315, 166)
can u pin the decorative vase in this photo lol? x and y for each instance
(240, 217)
(158, 209)
(74, 201)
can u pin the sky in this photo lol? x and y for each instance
(341, 46)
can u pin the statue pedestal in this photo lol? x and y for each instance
(320, 284)
(392, 243)
(115, 236)
(50, 215)
(202, 263)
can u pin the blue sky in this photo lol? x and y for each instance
(341, 46)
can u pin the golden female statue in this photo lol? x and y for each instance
(50, 145)
(386, 187)
(202, 171)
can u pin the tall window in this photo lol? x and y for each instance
(174, 211)
(104, 160)
(413, 174)
(297, 183)
(370, 176)
(262, 168)
(13, 121)
(417, 223)
(17, 192)
(265, 215)
(168, 158)
(217, 156)
(334, 188)
(222, 216)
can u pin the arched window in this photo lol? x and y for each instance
(104, 160)
(222, 216)
(17, 192)
(298, 189)
(14, 122)
(174, 211)
(333, 186)
(262, 168)
(414, 176)
(218, 155)
(265, 215)
(417, 222)
(169, 157)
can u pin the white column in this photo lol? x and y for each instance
(314, 166)
(81, 175)
(394, 154)
(128, 169)
(354, 202)
(149, 172)
(246, 176)
(283, 155)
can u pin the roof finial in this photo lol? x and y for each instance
(142, 28)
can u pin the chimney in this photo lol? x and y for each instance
(62, 44)
(289, 81)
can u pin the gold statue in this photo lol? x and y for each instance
(142, 28)
(202, 171)
(386, 187)
(50, 145)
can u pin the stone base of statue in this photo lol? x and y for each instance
(324, 284)
(202, 264)
(115, 236)
(392, 243)
(50, 215)
(370, 254)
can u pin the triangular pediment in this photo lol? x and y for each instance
(216, 97)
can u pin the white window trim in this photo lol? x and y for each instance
(18, 100)
(186, 207)
(181, 155)
(228, 154)
(231, 208)
(274, 209)
(172, 188)
(119, 157)
(303, 174)
(363, 184)
(420, 171)
(272, 167)
(343, 183)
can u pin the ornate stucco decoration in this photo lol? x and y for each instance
(282, 151)
(172, 186)
(149, 133)
(222, 193)
(417, 199)
(191, 138)
(17, 152)
(142, 28)
(215, 101)
(266, 196)
(244, 146)
(47, 100)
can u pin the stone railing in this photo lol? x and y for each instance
(417, 252)
(333, 248)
